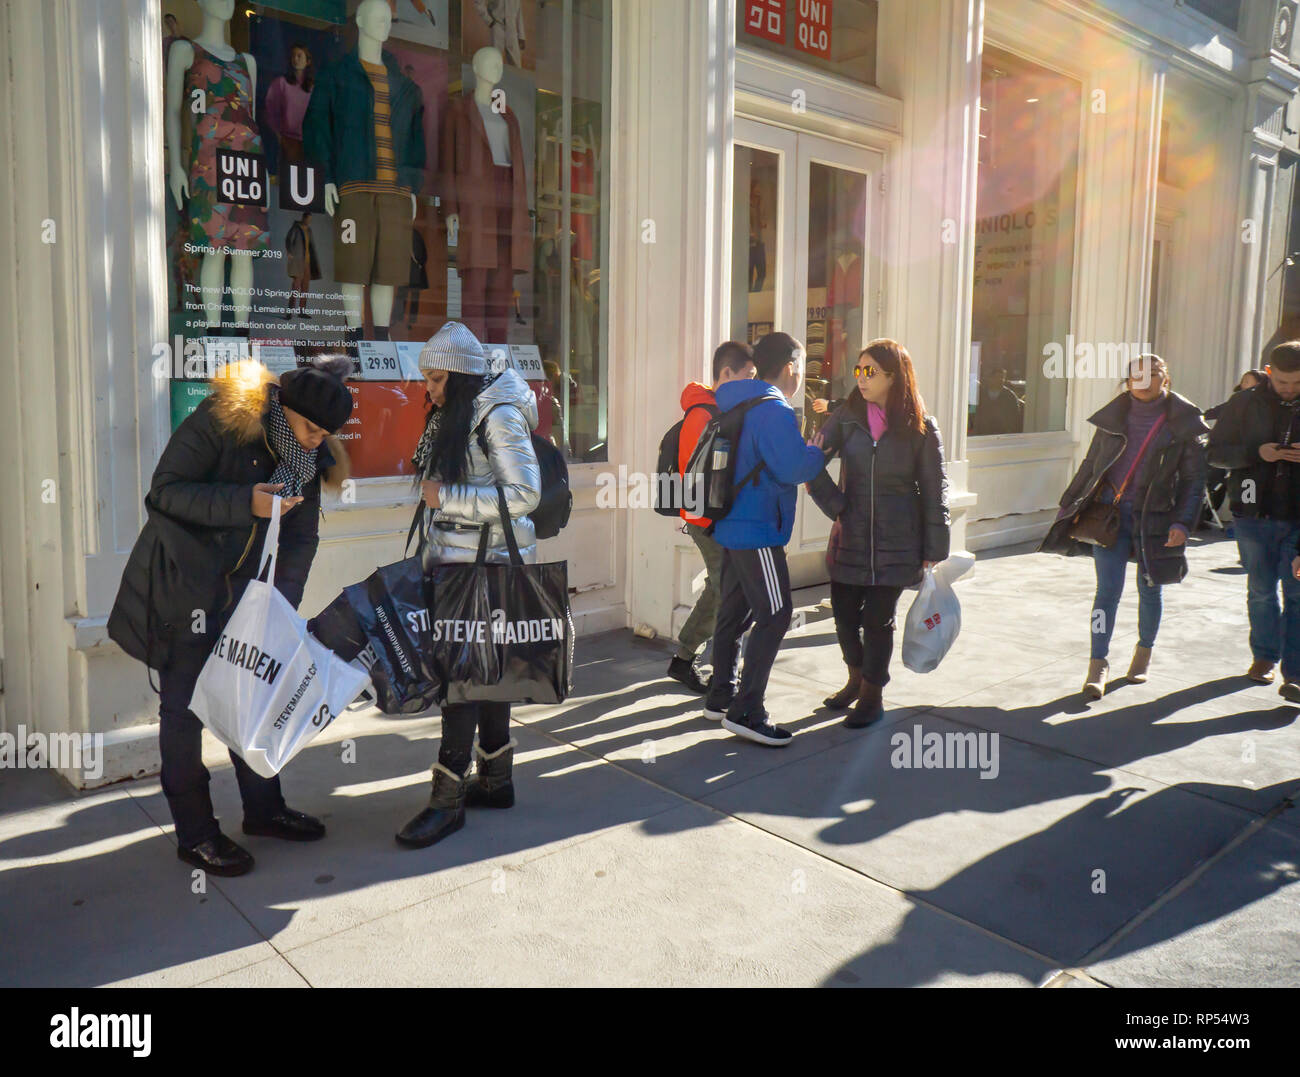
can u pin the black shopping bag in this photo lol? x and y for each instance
(384, 622)
(515, 642)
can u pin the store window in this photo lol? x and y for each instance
(344, 176)
(835, 36)
(756, 224)
(1224, 12)
(1021, 361)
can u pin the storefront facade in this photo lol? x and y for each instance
(1018, 190)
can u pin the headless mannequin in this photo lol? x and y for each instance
(374, 20)
(493, 317)
(212, 272)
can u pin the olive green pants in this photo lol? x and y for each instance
(698, 629)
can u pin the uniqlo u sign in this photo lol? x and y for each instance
(812, 27)
(766, 19)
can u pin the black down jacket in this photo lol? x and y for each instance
(1249, 419)
(1169, 485)
(200, 543)
(891, 504)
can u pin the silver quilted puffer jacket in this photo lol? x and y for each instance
(453, 531)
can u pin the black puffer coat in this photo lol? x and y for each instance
(891, 504)
(1169, 485)
(1247, 420)
(200, 544)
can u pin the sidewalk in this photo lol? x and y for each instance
(1143, 840)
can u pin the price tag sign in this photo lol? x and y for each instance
(408, 359)
(528, 361)
(277, 358)
(499, 358)
(378, 361)
(220, 352)
(765, 19)
(812, 28)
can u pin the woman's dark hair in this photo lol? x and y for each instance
(1260, 376)
(1137, 363)
(450, 456)
(308, 72)
(904, 409)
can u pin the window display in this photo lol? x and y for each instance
(1024, 246)
(344, 176)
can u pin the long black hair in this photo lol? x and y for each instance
(450, 457)
(308, 72)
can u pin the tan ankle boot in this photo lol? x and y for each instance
(848, 693)
(1137, 669)
(1095, 685)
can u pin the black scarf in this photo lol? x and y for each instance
(297, 465)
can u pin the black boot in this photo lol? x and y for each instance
(217, 856)
(685, 671)
(492, 786)
(869, 708)
(444, 815)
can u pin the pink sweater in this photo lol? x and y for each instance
(286, 105)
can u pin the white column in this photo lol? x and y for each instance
(671, 274)
(935, 183)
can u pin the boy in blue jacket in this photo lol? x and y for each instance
(755, 586)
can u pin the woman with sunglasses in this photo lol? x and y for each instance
(890, 512)
(1146, 469)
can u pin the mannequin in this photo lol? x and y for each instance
(210, 73)
(345, 82)
(486, 199)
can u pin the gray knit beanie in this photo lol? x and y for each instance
(454, 348)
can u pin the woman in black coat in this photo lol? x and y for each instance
(890, 512)
(208, 507)
(1159, 506)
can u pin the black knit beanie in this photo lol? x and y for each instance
(318, 393)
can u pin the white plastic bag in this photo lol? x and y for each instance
(268, 686)
(935, 617)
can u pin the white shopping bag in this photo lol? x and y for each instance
(935, 617)
(268, 686)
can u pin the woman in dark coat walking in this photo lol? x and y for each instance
(1149, 452)
(208, 507)
(890, 512)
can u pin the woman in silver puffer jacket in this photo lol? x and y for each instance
(459, 488)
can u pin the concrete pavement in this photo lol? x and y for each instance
(1148, 839)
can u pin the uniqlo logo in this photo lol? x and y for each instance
(766, 19)
(932, 622)
(812, 28)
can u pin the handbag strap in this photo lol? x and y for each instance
(271, 542)
(507, 525)
(1160, 421)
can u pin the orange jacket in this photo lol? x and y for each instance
(692, 427)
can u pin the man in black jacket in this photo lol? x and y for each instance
(1256, 438)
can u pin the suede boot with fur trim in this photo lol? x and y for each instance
(492, 785)
(444, 815)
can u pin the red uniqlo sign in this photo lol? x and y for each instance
(812, 27)
(766, 18)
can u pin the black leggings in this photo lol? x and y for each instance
(864, 625)
(460, 720)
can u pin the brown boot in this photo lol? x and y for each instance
(1095, 685)
(846, 695)
(869, 708)
(1137, 669)
(1261, 671)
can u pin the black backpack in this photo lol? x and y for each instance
(668, 500)
(552, 512)
(711, 473)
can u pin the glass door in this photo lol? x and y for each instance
(806, 232)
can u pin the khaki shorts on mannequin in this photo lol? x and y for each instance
(381, 251)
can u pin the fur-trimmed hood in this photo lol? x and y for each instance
(241, 398)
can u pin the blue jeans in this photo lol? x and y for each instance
(1111, 564)
(1267, 547)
